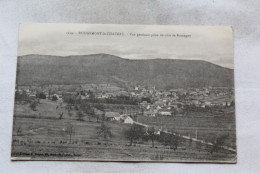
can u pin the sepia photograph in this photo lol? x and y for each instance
(138, 93)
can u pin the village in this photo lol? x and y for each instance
(111, 115)
(138, 105)
(147, 102)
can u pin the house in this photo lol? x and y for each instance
(98, 112)
(157, 132)
(149, 114)
(223, 104)
(228, 103)
(112, 116)
(123, 117)
(158, 107)
(84, 97)
(132, 93)
(123, 93)
(32, 96)
(166, 93)
(207, 103)
(159, 103)
(99, 95)
(195, 102)
(164, 112)
(128, 120)
(144, 103)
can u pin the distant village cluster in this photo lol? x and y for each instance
(150, 102)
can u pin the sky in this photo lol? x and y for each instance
(210, 43)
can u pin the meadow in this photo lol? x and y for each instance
(42, 135)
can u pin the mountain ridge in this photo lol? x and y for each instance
(106, 68)
(105, 54)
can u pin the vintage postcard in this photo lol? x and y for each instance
(151, 93)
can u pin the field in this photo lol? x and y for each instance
(203, 127)
(41, 134)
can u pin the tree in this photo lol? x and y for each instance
(68, 107)
(135, 132)
(142, 111)
(232, 103)
(69, 113)
(218, 143)
(147, 99)
(61, 115)
(33, 105)
(163, 137)
(89, 117)
(69, 131)
(175, 142)
(54, 98)
(41, 95)
(100, 107)
(198, 145)
(172, 140)
(151, 134)
(18, 130)
(21, 97)
(91, 95)
(91, 113)
(70, 101)
(76, 108)
(99, 116)
(104, 131)
(89, 110)
(18, 97)
(80, 116)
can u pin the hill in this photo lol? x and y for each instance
(104, 68)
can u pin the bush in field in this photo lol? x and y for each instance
(70, 101)
(198, 145)
(135, 132)
(170, 140)
(218, 143)
(69, 131)
(41, 95)
(61, 115)
(18, 97)
(175, 142)
(151, 134)
(232, 103)
(69, 113)
(76, 107)
(91, 114)
(18, 130)
(68, 107)
(54, 98)
(89, 110)
(80, 116)
(158, 156)
(98, 117)
(104, 131)
(33, 105)
(21, 97)
(100, 107)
